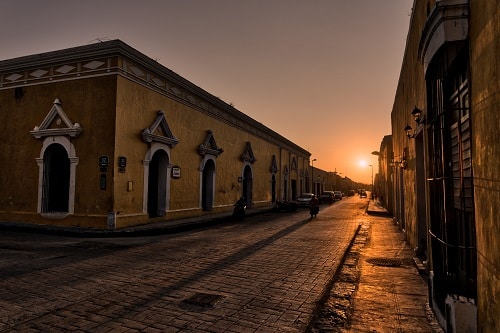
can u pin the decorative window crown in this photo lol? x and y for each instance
(56, 122)
(248, 155)
(294, 163)
(274, 165)
(209, 146)
(159, 132)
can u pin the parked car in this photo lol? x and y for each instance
(327, 197)
(362, 194)
(285, 206)
(338, 195)
(304, 199)
(350, 193)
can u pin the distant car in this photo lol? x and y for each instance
(304, 199)
(338, 195)
(362, 194)
(350, 193)
(327, 196)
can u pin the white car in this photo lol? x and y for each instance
(304, 199)
(338, 195)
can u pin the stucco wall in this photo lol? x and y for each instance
(485, 67)
(114, 92)
(137, 108)
(410, 92)
(90, 102)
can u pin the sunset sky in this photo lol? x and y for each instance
(322, 73)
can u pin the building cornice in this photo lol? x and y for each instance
(448, 22)
(117, 58)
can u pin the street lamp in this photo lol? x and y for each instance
(312, 176)
(372, 178)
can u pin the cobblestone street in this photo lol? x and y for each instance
(264, 274)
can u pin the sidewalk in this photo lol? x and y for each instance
(391, 295)
(157, 228)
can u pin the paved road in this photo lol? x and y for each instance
(264, 274)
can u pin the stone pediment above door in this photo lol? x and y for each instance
(274, 165)
(209, 146)
(248, 155)
(57, 123)
(159, 131)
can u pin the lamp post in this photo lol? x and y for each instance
(337, 180)
(372, 179)
(377, 153)
(312, 176)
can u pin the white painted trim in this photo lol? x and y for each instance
(202, 167)
(73, 160)
(155, 146)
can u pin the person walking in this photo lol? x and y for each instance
(314, 206)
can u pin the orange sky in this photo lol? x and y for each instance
(322, 73)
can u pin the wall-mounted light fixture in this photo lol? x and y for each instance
(402, 163)
(408, 131)
(417, 115)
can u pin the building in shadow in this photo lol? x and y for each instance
(446, 177)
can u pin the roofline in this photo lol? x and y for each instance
(117, 47)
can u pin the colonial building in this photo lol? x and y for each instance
(445, 126)
(102, 136)
(383, 185)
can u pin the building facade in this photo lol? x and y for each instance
(445, 123)
(102, 136)
(383, 184)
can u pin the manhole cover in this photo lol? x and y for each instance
(389, 262)
(90, 245)
(204, 300)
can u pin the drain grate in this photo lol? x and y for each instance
(204, 300)
(388, 262)
(90, 245)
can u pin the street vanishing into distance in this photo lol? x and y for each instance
(265, 273)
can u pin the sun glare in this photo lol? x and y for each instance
(362, 163)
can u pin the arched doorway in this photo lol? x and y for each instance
(207, 190)
(157, 184)
(247, 185)
(56, 180)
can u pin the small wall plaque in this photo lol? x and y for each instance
(103, 163)
(122, 163)
(176, 172)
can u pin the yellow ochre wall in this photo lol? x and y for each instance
(137, 108)
(90, 102)
(114, 92)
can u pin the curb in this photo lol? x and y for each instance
(142, 230)
(315, 323)
(377, 211)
